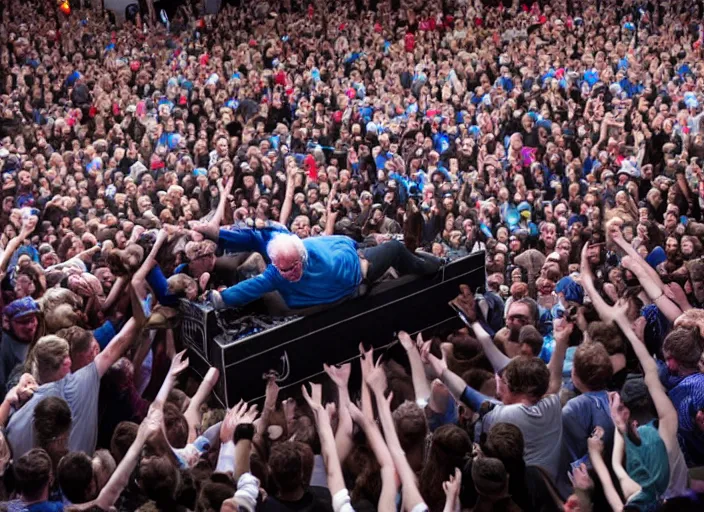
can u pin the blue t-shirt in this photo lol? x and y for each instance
(331, 272)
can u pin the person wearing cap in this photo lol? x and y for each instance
(22, 318)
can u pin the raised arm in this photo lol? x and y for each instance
(655, 291)
(366, 361)
(667, 414)
(410, 494)
(224, 192)
(596, 449)
(387, 498)
(617, 237)
(139, 279)
(563, 329)
(421, 386)
(465, 303)
(117, 347)
(17, 396)
(14, 244)
(587, 280)
(121, 476)
(115, 293)
(437, 369)
(336, 482)
(343, 437)
(193, 413)
(287, 205)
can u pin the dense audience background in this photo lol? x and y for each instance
(564, 139)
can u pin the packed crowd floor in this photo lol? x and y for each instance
(292, 155)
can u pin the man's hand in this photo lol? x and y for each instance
(23, 391)
(366, 361)
(226, 188)
(580, 478)
(452, 488)
(618, 411)
(406, 341)
(241, 413)
(29, 225)
(434, 366)
(563, 330)
(596, 443)
(675, 293)
(376, 380)
(178, 364)
(465, 302)
(272, 392)
(340, 375)
(314, 398)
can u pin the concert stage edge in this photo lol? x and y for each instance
(297, 349)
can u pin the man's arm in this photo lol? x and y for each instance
(248, 290)
(466, 304)
(563, 329)
(653, 289)
(389, 488)
(410, 494)
(343, 437)
(667, 414)
(287, 205)
(117, 347)
(420, 382)
(121, 476)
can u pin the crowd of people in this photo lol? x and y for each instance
(291, 155)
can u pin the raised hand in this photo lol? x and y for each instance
(452, 488)
(23, 391)
(434, 366)
(272, 392)
(314, 398)
(563, 330)
(618, 411)
(376, 380)
(340, 375)
(466, 303)
(580, 478)
(595, 442)
(406, 341)
(366, 360)
(178, 364)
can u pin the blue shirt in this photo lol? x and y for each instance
(687, 395)
(331, 272)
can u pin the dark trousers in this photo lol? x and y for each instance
(394, 254)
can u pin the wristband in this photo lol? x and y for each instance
(244, 431)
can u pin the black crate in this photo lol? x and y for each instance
(297, 349)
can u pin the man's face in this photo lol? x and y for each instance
(301, 227)
(518, 316)
(25, 327)
(201, 265)
(671, 247)
(82, 360)
(290, 266)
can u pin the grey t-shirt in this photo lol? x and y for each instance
(541, 425)
(80, 390)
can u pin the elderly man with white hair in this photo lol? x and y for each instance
(322, 270)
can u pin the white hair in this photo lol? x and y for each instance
(285, 244)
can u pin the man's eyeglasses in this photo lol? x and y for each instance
(518, 318)
(291, 268)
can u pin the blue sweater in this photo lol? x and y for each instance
(331, 273)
